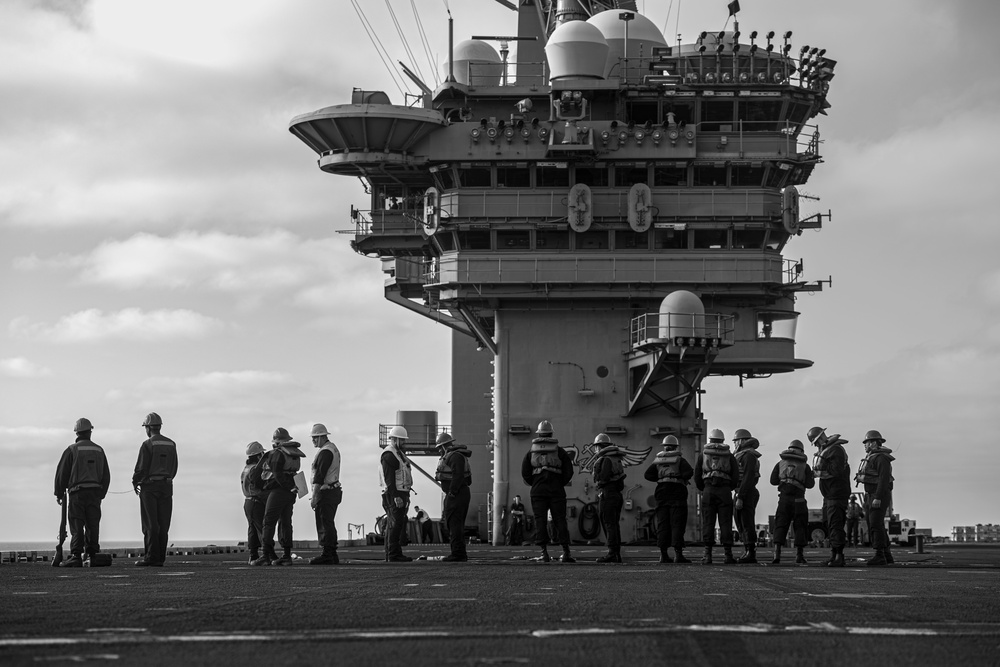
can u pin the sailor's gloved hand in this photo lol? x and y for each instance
(739, 503)
(399, 502)
(876, 503)
(135, 487)
(59, 500)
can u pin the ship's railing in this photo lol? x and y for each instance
(757, 137)
(706, 330)
(677, 268)
(492, 75)
(793, 271)
(486, 204)
(378, 222)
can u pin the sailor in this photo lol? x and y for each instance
(547, 469)
(254, 497)
(83, 472)
(875, 473)
(515, 529)
(747, 494)
(609, 477)
(153, 482)
(425, 524)
(455, 477)
(792, 475)
(326, 494)
(854, 515)
(280, 466)
(672, 474)
(834, 472)
(716, 474)
(396, 478)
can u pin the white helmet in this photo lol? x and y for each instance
(318, 429)
(398, 432)
(716, 436)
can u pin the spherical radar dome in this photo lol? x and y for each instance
(576, 50)
(682, 314)
(642, 34)
(476, 63)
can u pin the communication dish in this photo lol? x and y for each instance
(640, 213)
(432, 211)
(581, 212)
(790, 209)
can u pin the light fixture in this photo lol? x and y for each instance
(476, 133)
(657, 137)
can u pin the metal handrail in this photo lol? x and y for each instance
(707, 330)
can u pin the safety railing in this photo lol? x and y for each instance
(704, 330)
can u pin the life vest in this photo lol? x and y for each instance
(332, 477)
(867, 471)
(545, 456)
(617, 469)
(282, 468)
(715, 463)
(744, 456)
(88, 468)
(162, 459)
(668, 467)
(822, 461)
(403, 476)
(445, 472)
(792, 470)
(250, 480)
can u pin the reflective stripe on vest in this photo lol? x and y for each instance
(403, 476)
(792, 472)
(333, 472)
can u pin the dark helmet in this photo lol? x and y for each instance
(716, 436)
(796, 444)
(671, 441)
(280, 435)
(874, 435)
(742, 434)
(544, 428)
(814, 433)
(444, 439)
(152, 419)
(82, 424)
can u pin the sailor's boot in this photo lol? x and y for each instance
(679, 556)
(707, 558)
(838, 558)
(888, 556)
(544, 556)
(878, 560)
(800, 558)
(750, 557)
(777, 555)
(665, 556)
(567, 558)
(729, 560)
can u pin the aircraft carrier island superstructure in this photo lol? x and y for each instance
(602, 223)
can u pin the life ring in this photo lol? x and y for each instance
(589, 517)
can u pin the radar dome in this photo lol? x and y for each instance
(476, 64)
(642, 33)
(682, 314)
(576, 50)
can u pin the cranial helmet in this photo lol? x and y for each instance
(716, 436)
(280, 435)
(255, 448)
(742, 434)
(444, 439)
(544, 428)
(874, 435)
(602, 439)
(671, 441)
(318, 429)
(152, 419)
(82, 424)
(796, 444)
(814, 433)
(398, 432)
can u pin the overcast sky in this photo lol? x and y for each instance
(167, 245)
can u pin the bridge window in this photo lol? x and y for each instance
(629, 240)
(474, 177)
(592, 241)
(670, 176)
(445, 240)
(717, 116)
(760, 115)
(748, 174)
(627, 175)
(777, 325)
(474, 239)
(551, 239)
(552, 177)
(748, 239)
(513, 239)
(595, 177)
(640, 112)
(669, 239)
(711, 238)
(513, 177)
(713, 175)
(683, 112)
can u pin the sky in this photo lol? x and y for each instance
(167, 245)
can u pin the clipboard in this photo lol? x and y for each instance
(300, 484)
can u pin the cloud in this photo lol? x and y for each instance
(19, 367)
(130, 324)
(233, 392)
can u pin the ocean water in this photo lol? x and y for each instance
(43, 547)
